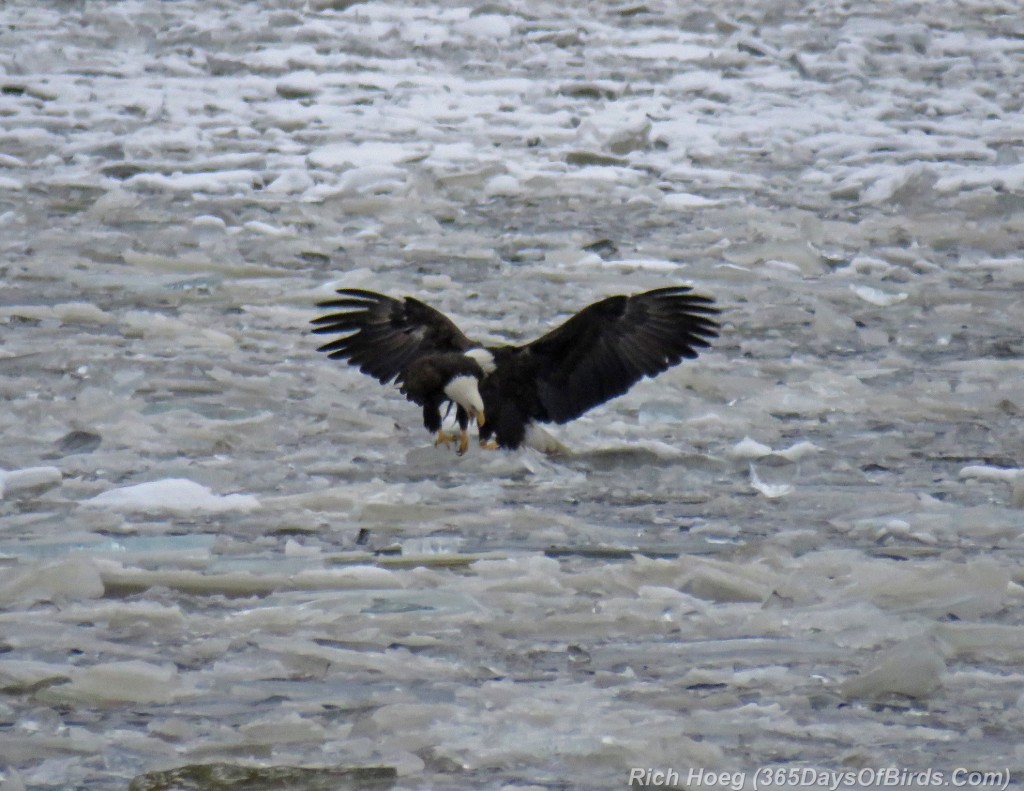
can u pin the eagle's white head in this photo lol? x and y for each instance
(465, 391)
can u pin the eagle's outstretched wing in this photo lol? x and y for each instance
(383, 336)
(607, 347)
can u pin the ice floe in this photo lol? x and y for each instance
(171, 494)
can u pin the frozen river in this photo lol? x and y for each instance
(224, 555)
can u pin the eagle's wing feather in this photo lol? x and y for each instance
(383, 336)
(607, 347)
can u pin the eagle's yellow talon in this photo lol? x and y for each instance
(445, 438)
(488, 444)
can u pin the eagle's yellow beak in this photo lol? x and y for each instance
(479, 417)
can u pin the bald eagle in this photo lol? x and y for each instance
(596, 355)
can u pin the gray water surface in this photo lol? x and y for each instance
(802, 550)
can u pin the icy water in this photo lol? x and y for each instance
(226, 562)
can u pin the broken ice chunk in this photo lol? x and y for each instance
(914, 668)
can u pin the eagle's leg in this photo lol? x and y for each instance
(487, 441)
(432, 422)
(462, 418)
(461, 438)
